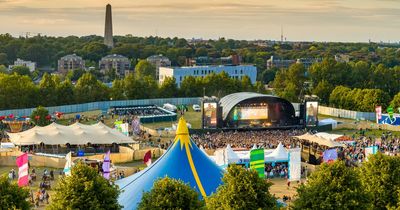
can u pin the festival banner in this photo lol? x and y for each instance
(68, 164)
(23, 170)
(106, 165)
(147, 158)
(330, 155)
(370, 151)
(378, 111)
(295, 164)
(257, 161)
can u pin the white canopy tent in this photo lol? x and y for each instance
(226, 156)
(329, 136)
(319, 140)
(278, 155)
(75, 134)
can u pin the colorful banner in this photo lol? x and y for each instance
(390, 111)
(257, 161)
(147, 158)
(295, 164)
(370, 151)
(68, 164)
(106, 165)
(386, 119)
(330, 155)
(378, 111)
(23, 170)
(136, 126)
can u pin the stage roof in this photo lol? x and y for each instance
(230, 101)
(75, 134)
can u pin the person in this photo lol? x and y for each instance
(10, 175)
(52, 175)
(209, 115)
(14, 175)
(46, 196)
(311, 111)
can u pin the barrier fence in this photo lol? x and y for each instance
(103, 105)
(342, 113)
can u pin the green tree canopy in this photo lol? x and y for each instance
(242, 189)
(144, 68)
(48, 90)
(168, 88)
(21, 70)
(88, 89)
(332, 186)
(38, 116)
(12, 196)
(84, 189)
(169, 193)
(395, 103)
(380, 176)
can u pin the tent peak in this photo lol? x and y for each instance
(182, 128)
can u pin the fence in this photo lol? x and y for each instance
(102, 105)
(346, 113)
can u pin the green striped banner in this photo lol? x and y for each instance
(257, 161)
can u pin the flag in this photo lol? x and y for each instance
(370, 150)
(106, 165)
(22, 163)
(68, 164)
(147, 158)
(330, 155)
(378, 110)
(390, 112)
(295, 165)
(257, 161)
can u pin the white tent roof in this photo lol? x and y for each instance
(329, 136)
(231, 155)
(75, 134)
(319, 140)
(279, 154)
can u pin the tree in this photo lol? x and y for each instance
(12, 196)
(85, 189)
(3, 59)
(40, 115)
(144, 68)
(242, 189)
(380, 177)
(47, 90)
(89, 89)
(21, 70)
(332, 186)
(117, 90)
(169, 193)
(17, 91)
(323, 91)
(65, 93)
(3, 69)
(168, 88)
(395, 103)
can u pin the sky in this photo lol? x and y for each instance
(300, 20)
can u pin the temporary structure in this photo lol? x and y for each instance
(329, 136)
(319, 140)
(75, 134)
(183, 161)
(224, 157)
(278, 155)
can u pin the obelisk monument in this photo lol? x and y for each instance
(108, 31)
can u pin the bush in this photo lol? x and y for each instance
(242, 189)
(169, 193)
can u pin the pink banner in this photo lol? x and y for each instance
(378, 110)
(106, 165)
(22, 163)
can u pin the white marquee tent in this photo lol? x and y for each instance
(75, 134)
(278, 155)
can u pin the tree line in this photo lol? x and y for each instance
(356, 86)
(46, 50)
(19, 91)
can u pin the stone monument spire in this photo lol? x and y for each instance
(108, 32)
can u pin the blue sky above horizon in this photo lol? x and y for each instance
(302, 20)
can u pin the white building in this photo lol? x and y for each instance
(159, 61)
(19, 62)
(201, 71)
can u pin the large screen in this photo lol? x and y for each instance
(311, 113)
(210, 115)
(253, 113)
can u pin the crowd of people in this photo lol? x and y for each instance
(268, 139)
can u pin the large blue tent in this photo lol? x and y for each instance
(183, 161)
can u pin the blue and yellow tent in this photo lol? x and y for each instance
(183, 161)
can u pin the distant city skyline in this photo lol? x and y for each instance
(305, 20)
